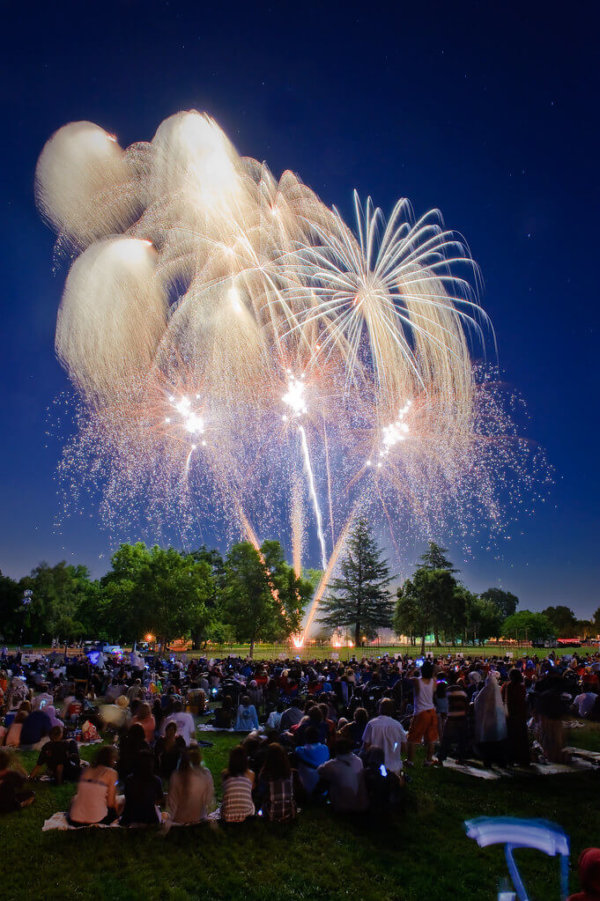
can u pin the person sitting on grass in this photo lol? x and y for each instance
(278, 786)
(168, 751)
(60, 757)
(247, 718)
(131, 742)
(13, 736)
(191, 789)
(36, 728)
(385, 788)
(186, 726)
(238, 782)
(354, 730)
(96, 800)
(143, 716)
(224, 715)
(344, 777)
(12, 780)
(310, 756)
(143, 793)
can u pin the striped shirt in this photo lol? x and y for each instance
(237, 801)
(458, 701)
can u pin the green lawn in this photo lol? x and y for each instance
(271, 652)
(422, 854)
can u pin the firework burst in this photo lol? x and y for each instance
(243, 358)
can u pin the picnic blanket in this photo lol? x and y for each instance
(581, 761)
(58, 821)
(478, 772)
(204, 727)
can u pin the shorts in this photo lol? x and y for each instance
(424, 725)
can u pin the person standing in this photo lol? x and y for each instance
(456, 730)
(424, 722)
(515, 701)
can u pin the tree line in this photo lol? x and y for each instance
(246, 596)
(252, 595)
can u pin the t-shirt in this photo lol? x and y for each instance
(35, 727)
(347, 786)
(386, 733)
(57, 753)
(458, 702)
(246, 719)
(310, 757)
(185, 725)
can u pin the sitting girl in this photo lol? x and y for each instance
(96, 800)
(238, 781)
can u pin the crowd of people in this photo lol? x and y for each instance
(318, 732)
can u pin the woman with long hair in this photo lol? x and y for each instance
(238, 781)
(191, 789)
(278, 786)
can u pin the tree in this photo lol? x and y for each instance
(11, 614)
(248, 600)
(212, 628)
(360, 597)
(292, 592)
(428, 601)
(528, 626)
(435, 558)
(504, 601)
(172, 593)
(156, 590)
(58, 592)
(563, 619)
(483, 620)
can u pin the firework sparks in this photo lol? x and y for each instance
(204, 293)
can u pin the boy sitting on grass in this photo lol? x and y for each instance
(60, 757)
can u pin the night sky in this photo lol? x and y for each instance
(487, 111)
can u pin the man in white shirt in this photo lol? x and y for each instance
(386, 733)
(184, 722)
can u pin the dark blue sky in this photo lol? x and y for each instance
(487, 111)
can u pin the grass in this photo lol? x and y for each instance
(314, 652)
(323, 652)
(422, 853)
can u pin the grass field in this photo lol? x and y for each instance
(422, 854)
(314, 652)
(326, 652)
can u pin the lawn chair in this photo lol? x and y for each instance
(519, 833)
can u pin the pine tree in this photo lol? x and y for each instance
(360, 597)
(435, 558)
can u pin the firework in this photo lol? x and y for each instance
(237, 347)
